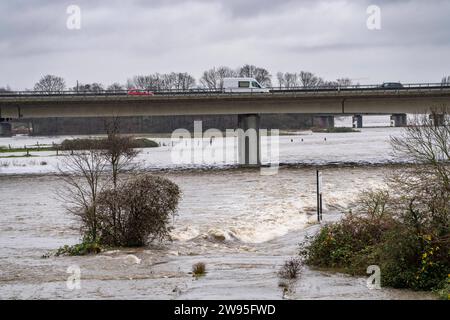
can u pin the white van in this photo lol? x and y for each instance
(243, 85)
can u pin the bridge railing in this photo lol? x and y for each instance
(214, 92)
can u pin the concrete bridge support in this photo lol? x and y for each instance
(399, 120)
(437, 119)
(5, 129)
(357, 121)
(323, 121)
(249, 147)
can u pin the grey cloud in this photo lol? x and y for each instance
(119, 39)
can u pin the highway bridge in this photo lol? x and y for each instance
(413, 98)
(324, 102)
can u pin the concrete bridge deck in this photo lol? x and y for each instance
(325, 101)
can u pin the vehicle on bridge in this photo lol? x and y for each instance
(392, 85)
(140, 92)
(240, 85)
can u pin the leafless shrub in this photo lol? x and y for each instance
(83, 176)
(118, 151)
(198, 269)
(423, 189)
(373, 203)
(290, 269)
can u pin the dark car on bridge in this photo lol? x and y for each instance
(140, 92)
(391, 85)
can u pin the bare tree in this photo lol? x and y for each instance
(424, 142)
(210, 79)
(445, 80)
(49, 84)
(89, 87)
(344, 82)
(82, 173)
(247, 70)
(85, 174)
(280, 79)
(309, 79)
(287, 80)
(260, 74)
(226, 72)
(165, 81)
(422, 195)
(213, 78)
(142, 82)
(115, 87)
(118, 151)
(184, 81)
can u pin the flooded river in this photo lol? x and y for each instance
(241, 224)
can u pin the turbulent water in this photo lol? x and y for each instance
(241, 224)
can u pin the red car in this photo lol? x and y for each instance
(140, 92)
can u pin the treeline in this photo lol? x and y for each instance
(210, 79)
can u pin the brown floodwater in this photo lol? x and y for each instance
(242, 225)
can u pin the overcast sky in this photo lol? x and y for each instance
(119, 39)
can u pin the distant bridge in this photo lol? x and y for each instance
(325, 102)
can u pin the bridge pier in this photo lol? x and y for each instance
(249, 146)
(437, 119)
(399, 120)
(323, 121)
(357, 121)
(5, 129)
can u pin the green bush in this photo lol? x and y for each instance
(408, 257)
(444, 289)
(137, 212)
(81, 249)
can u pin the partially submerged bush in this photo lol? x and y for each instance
(105, 143)
(112, 210)
(199, 269)
(290, 269)
(81, 249)
(337, 244)
(137, 212)
(411, 254)
(79, 144)
(145, 143)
